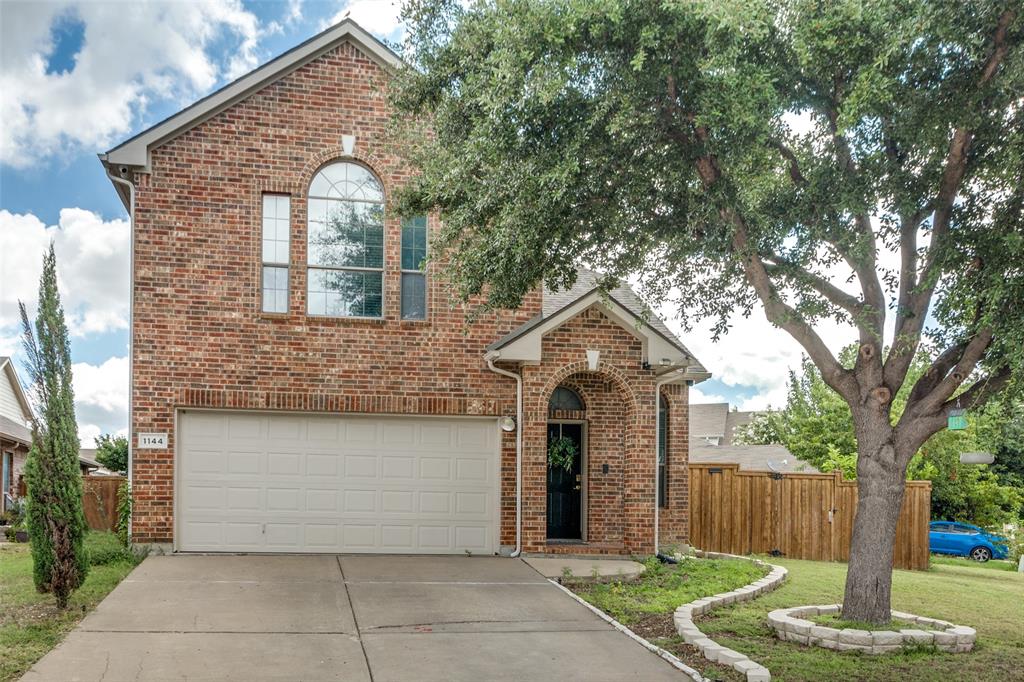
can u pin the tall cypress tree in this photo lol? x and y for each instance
(56, 521)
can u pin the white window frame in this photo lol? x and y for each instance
(276, 262)
(422, 272)
(328, 268)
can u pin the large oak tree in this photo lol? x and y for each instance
(731, 154)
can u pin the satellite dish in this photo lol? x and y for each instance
(976, 458)
(772, 467)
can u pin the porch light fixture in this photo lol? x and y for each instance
(976, 458)
(593, 357)
(348, 144)
(508, 424)
(665, 362)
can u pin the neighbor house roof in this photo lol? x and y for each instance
(12, 430)
(750, 457)
(13, 392)
(134, 152)
(621, 305)
(708, 420)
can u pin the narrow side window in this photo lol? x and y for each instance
(414, 280)
(276, 239)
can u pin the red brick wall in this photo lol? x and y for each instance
(199, 336)
(621, 418)
(200, 339)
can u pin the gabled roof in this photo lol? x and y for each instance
(708, 420)
(11, 376)
(621, 305)
(750, 457)
(134, 152)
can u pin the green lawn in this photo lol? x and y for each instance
(30, 625)
(993, 565)
(990, 601)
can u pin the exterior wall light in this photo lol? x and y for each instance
(348, 144)
(593, 357)
(508, 424)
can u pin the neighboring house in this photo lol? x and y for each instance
(15, 436)
(301, 383)
(90, 466)
(712, 428)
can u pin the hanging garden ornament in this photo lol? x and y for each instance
(977, 458)
(957, 419)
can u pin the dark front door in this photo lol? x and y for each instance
(565, 487)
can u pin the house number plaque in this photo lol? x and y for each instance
(152, 441)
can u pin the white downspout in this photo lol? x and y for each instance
(670, 376)
(131, 321)
(490, 357)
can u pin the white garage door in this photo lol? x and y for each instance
(284, 483)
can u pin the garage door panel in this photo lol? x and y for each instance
(336, 484)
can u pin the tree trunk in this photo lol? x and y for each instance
(880, 486)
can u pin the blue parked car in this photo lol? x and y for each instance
(963, 539)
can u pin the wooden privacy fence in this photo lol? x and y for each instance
(801, 516)
(99, 499)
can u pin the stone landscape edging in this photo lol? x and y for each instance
(788, 626)
(691, 634)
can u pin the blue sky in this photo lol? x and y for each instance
(78, 77)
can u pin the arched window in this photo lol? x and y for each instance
(662, 452)
(345, 277)
(565, 399)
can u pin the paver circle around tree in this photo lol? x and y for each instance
(791, 625)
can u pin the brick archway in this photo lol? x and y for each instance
(603, 369)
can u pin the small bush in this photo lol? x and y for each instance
(106, 548)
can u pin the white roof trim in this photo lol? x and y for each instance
(134, 152)
(526, 348)
(19, 390)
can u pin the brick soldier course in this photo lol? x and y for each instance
(200, 340)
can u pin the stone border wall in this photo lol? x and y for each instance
(712, 651)
(790, 627)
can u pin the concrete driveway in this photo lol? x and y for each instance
(352, 618)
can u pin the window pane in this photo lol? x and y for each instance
(346, 181)
(563, 398)
(345, 294)
(350, 235)
(414, 296)
(276, 228)
(275, 289)
(414, 243)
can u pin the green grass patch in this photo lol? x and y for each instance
(990, 601)
(833, 620)
(30, 624)
(663, 587)
(964, 562)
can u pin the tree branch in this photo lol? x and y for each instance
(834, 294)
(916, 291)
(794, 166)
(972, 354)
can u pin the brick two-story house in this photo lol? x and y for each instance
(302, 383)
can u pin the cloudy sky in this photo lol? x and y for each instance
(78, 77)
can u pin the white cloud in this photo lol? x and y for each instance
(132, 54)
(101, 398)
(92, 270)
(379, 17)
(698, 397)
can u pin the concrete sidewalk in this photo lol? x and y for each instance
(353, 618)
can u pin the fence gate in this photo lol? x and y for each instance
(802, 516)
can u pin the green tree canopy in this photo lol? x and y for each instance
(658, 139)
(112, 452)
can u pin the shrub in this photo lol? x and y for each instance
(124, 512)
(104, 547)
